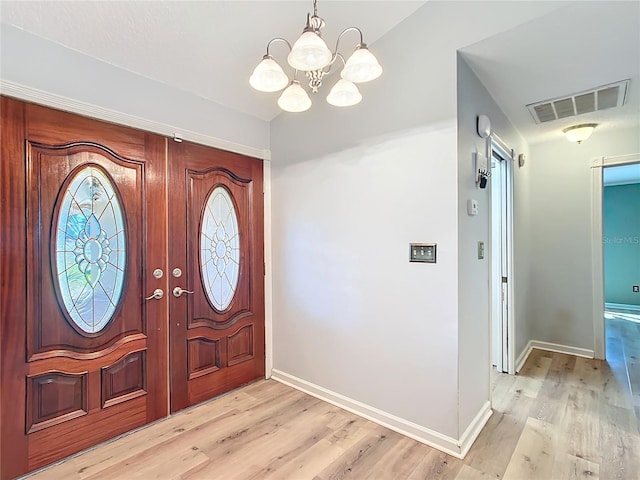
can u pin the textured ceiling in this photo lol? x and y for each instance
(207, 48)
(210, 48)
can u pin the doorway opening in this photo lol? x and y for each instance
(621, 253)
(614, 234)
(501, 265)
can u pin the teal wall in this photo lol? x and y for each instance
(621, 218)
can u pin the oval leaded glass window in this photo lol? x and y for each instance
(219, 248)
(90, 249)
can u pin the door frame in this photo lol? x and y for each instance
(268, 272)
(502, 252)
(63, 104)
(29, 94)
(597, 246)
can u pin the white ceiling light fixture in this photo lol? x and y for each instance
(579, 133)
(311, 55)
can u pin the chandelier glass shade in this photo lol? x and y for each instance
(311, 55)
(361, 66)
(268, 76)
(344, 94)
(294, 98)
(309, 52)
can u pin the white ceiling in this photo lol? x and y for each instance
(575, 48)
(210, 48)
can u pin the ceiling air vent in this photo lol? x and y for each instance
(601, 98)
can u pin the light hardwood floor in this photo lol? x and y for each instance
(561, 418)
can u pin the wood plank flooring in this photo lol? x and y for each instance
(561, 418)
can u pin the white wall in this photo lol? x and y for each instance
(31, 61)
(473, 274)
(560, 310)
(351, 314)
(351, 189)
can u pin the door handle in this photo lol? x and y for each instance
(157, 294)
(178, 291)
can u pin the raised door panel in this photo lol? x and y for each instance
(216, 220)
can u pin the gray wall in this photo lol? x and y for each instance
(350, 313)
(560, 308)
(473, 274)
(351, 189)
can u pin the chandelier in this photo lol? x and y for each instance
(311, 55)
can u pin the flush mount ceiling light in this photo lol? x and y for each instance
(311, 55)
(579, 133)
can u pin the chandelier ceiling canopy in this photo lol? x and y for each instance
(311, 55)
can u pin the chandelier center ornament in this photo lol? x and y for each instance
(311, 55)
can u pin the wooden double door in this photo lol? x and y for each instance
(131, 276)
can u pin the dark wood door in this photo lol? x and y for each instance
(216, 241)
(84, 355)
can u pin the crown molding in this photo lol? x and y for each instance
(34, 95)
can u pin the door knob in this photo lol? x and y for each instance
(178, 291)
(157, 294)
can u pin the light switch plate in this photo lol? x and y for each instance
(422, 252)
(472, 207)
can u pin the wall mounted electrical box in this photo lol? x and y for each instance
(422, 252)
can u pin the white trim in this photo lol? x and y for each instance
(422, 434)
(268, 275)
(597, 257)
(475, 427)
(558, 348)
(551, 347)
(60, 102)
(622, 306)
(522, 358)
(508, 360)
(511, 283)
(495, 282)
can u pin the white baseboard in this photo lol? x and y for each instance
(475, 427)
(551, 347)
(622, 306)
(522, 358)
(444, 443)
